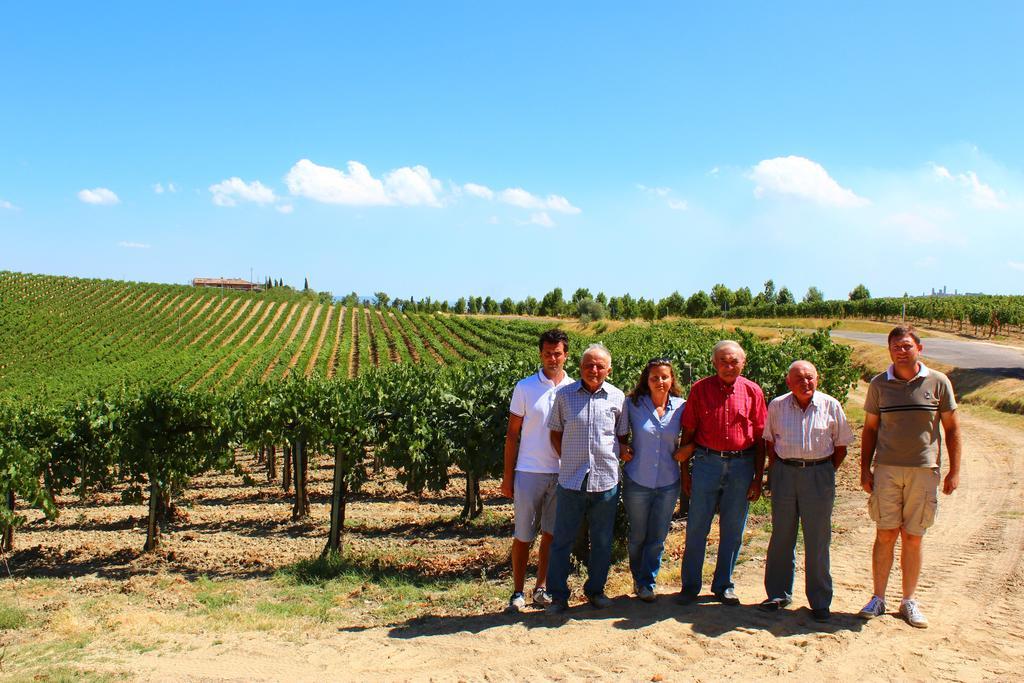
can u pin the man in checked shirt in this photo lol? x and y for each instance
(722, 427)
(588, 424)
(806, 438)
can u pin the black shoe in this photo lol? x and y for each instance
(821, 614)
(774, 604)
(682, 598)
(727, 597)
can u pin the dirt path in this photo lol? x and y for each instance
(972, 590)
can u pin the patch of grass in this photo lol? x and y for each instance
(333, 587)
(762, 507)
(214, 595)
(12, 618)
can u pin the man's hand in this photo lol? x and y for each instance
(867, 481)
(508, 487)
(625, 452)
(754, 492)
(951, 482)
(684, 453)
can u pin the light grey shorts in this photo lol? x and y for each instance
(534, 499)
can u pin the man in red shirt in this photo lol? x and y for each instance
(721, 438)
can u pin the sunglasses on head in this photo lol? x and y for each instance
(659, 361)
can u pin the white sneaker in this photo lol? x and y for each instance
(645, 594)
(874, 608)
(912, 613)
(517, 603)
(541, 598)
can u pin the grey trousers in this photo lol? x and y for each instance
(804, 495)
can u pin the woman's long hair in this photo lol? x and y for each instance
(642, 388)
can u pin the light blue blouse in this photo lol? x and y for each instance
(654, 440)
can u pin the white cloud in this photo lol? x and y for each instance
(1016, 265)
(333, 186)
(285, 208)
(800, 177)
(493, 220)
(99, 196)
(714, 171)
(981, 195)
(655, 191)
(160, 188)
(229, 192)
(481, 191)
(926, 262)
(4, 204)
(666, 194)
(542, 218)
(517, 196)
(412, 186)
(133, 245)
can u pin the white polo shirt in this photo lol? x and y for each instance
(532, 400)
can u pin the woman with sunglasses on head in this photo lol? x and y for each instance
(651, 482)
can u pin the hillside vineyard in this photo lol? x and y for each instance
(62, 336)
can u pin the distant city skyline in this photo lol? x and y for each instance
(504, 151)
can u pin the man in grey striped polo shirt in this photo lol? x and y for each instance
(587, 423)
(903, 411)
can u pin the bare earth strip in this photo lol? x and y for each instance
(291, 337)
(319, 342)
(332, 362)
(399, 329)
(353, 350)
(305, 339)
(973, 593)
(390, 338)
(374, 349)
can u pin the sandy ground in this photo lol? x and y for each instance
(972, 590)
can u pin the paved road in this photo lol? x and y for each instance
(1000, 360)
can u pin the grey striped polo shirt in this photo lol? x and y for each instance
(909, 413)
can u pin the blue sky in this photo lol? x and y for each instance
(447, 149)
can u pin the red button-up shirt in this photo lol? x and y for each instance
(725, 417)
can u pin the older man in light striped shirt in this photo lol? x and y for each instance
(806, 436)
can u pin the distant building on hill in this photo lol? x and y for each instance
(226, 283)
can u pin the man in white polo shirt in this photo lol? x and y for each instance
(806, 436)
(531, 465)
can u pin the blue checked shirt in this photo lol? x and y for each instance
(590, 424)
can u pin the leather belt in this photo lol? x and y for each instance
(796, 462)
(726, 454)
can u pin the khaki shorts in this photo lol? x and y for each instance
(905, 497)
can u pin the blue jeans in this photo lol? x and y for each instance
(721, 482)
(650, 514)
(572, 506)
